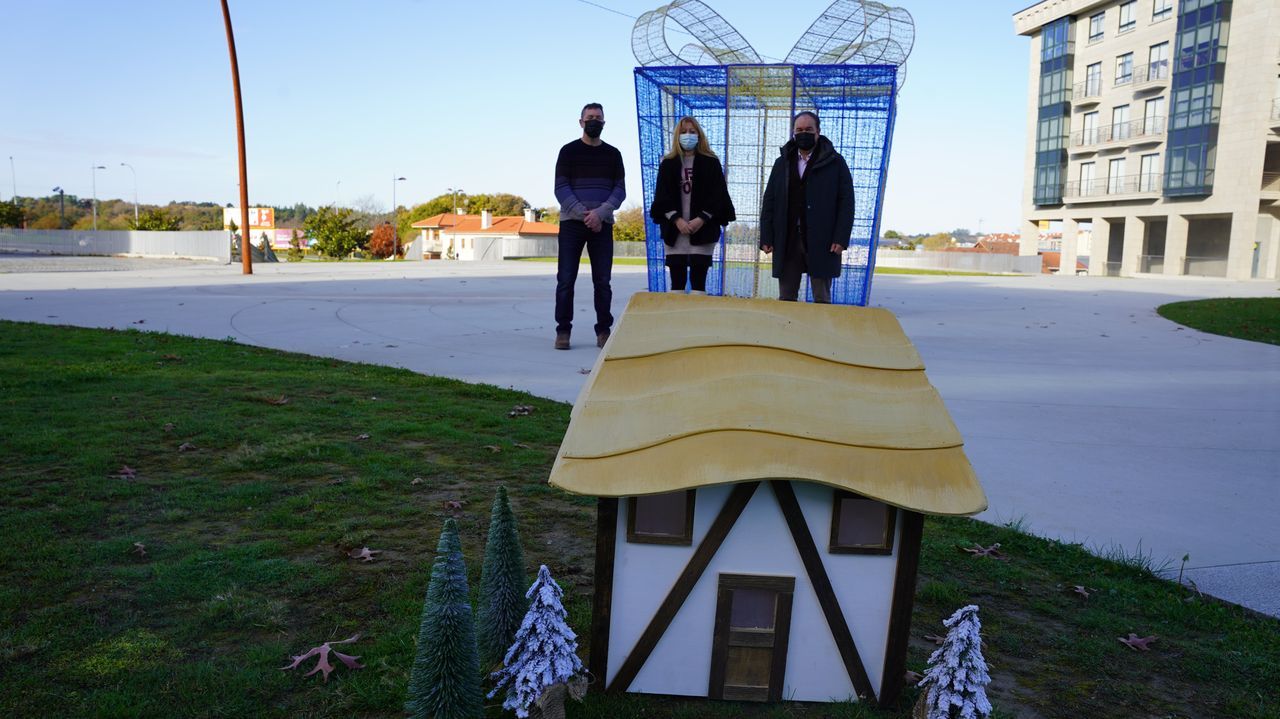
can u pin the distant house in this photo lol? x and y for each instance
(484, 236)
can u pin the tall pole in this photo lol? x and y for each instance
(62, 211)
(13, 174)
(93, 169)
(245, 259)
(395, 227)
(337, 194)
(135, 191)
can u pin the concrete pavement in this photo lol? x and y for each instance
(1087, 416)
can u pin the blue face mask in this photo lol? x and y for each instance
(688, 140)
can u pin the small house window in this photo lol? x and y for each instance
(661, 518)
(861, 526)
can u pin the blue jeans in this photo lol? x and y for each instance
(574, 235)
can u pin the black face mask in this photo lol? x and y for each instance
(593, 128)
(806, 140)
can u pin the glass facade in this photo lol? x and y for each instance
(1196, 97)
(1053, 124)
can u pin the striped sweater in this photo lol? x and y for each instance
(589, 178)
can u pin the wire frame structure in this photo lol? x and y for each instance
(746, 110)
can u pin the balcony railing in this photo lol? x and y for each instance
(1102, 188)
(1151, 263)
(1125, 78)
(1089, 90)
(1205, 266)
(1147, 127)
(1156, 72)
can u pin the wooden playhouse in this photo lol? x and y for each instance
(762, 470)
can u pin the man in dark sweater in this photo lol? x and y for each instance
(589, 187)
(806, 216)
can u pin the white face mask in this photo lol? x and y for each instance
(688, 140)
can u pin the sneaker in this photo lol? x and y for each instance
(601, 338)
(562, 340)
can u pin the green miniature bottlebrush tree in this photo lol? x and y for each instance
(445, 682)
(502, 584)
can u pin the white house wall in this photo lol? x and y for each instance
(759, 543)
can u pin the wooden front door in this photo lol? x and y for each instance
(749, 650)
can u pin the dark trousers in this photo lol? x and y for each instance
(574, 235)
(793, 266)
(691, 269)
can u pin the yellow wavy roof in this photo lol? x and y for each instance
(695, 391)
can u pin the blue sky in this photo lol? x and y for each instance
(477, 95)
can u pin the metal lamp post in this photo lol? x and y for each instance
(395, 229)
(13, 174)
(135, 192)
(93, 169)
(337, 193)
(456, 191)
(62, 212)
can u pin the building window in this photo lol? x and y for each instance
(1149, 175)
(1120, 123)
(860, 525)
(1093, 80)
(1158, 61)
(1115, 176)
(1095, 26)
(1089, 129)
(1153, 116)
(1127, 13)
(1161, 10)
(1124, 69)
(661, 518)
(1086, 179)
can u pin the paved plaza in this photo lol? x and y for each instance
(1086, 415)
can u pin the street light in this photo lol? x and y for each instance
(62, 212)
(456, 191)
(395, 229)
(337, 193)
(135, 192)
(13, 174)
(93, 169)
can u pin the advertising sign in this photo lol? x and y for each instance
(260, 218)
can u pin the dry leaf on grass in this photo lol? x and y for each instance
(139, 549)
(912, 678)
(993, 551)
(1082, 591)
(186, 447)
(365, 554)
(493, 448)
(361, 437)
(126, 472)
(278, 401)
(168, 426)
(171, 358)
(417, 480)
(1137, 643)
(519, 445)
(521, 410)
(322, 664)
(453, 506)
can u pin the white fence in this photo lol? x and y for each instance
(201, 245)
(959, 261)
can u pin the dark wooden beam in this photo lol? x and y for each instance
(724, 522)
(602, 601)
(822, 587)
(904, 594)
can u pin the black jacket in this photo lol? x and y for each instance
(708, 199)
(829, 208)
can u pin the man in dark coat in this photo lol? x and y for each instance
(806, 215)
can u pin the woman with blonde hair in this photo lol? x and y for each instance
(690, 205)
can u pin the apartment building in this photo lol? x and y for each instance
(1156, 123)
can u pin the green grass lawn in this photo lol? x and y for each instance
(1251, 318)
(257, 472)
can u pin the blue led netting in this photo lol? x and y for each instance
(746, 111)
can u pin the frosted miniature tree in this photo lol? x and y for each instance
(502, 584)
(544, 654)
(445, 682)
(957, 677)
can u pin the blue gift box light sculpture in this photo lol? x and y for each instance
(848, 68)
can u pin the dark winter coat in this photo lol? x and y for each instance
(828, 204)
(708, 199)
